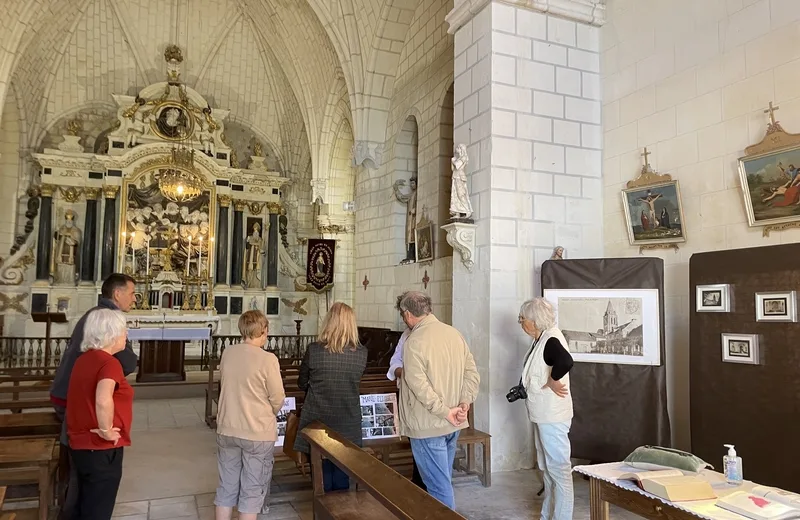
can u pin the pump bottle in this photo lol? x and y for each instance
(732, 465)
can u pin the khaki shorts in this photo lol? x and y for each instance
(245, 473)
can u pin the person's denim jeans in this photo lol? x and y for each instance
(553, 456)
(434, 457)
(334, 479)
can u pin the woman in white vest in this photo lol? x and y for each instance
(546, 381)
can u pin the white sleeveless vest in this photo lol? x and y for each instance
(543, 405)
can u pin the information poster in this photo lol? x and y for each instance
(379, 416)
(288, 406)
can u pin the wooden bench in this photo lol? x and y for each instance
(5, 516)
(386, 493)
(29, 424)
(29, 460)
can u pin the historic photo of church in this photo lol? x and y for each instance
(609, 326)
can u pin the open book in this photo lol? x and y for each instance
(672, 485)
(757, 507)
(777, 495)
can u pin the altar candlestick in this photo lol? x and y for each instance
(199, 256)
(147, 273)
(189, 256)
(124, 249)
(133, 252)
(211, 254)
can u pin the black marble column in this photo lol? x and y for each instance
(272, 250)
(109, 231)
(44, 242)
(89, 236)
(222, 241)
(237, 253)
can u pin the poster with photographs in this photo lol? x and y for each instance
(289, 405)
(379, 416)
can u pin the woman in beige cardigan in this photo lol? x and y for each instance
(250, 398)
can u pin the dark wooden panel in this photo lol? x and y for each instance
(753, 407)
(161, 361)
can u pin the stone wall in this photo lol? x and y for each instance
(690, 81)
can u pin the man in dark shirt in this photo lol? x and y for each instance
(117, 293)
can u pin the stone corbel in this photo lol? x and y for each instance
(592, 12)
(461, 237)
(336, 224)
(368, 153)
(319, 188)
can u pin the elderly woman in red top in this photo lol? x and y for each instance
(99, 413)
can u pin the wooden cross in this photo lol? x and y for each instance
(365, 283)
(425, 279)
(645, 155)
(771, 111)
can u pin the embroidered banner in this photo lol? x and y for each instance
(319, 264)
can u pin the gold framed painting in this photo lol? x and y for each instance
(423, 235)
(654, 213)
(771, 186)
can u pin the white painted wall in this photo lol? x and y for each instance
(689, 80)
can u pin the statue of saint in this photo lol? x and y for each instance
(410, 200)
(460, 205)
(252, 259)
(67, 241)
(207, 139)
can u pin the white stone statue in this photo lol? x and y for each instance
(252, 259)
(136, 129)
(206, 139)
(67, 243)
(460, 205)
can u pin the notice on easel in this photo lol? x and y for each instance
(379, 416)
(288, 406)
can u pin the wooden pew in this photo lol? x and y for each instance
(22, 389)
(37, 424)
(387, 494)
(5, 516)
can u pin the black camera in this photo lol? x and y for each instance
(516, 393)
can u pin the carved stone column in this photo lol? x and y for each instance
(107, 265)
(237, 254)
(222, 240)
(44, 244)
(88, 256)
(272, 244)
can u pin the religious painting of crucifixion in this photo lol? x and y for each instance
(770, 178)
(653, 209)
(163, 235)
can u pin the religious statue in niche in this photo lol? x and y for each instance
(460, 205)
(67, 245)
(136, 127)
(410, 200)
(253, 254)
(206, 139)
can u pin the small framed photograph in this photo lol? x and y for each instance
(776, 306)
(63, 304)
(740, 348)
(713, 298)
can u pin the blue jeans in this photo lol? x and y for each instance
(434, 457)
(334, 479)
(553, 456)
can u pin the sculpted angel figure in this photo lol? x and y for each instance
(460, 205)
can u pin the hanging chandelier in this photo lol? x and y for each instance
(179, 182)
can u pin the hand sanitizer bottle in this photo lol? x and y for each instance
(733, 466)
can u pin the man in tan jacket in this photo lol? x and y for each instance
(439, 383)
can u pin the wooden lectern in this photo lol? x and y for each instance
(48, 318)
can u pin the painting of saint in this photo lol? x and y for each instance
(771, 187)
(654, 214)
(172, 122)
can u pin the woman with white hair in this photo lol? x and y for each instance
(99, 414)
(545, 378)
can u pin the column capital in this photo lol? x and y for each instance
(591, 12)
(224, 200)
(92, 193)
(47, 190)
(110, 192)
(239, 204)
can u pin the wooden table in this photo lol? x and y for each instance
(27, 453)
(603, 492)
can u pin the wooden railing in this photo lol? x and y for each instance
(34, 354)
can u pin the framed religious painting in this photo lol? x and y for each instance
(769, 173)
(423, 235)
(713, 298)
(776, 306)
(740, 348)
(618, 326)
(653, 209)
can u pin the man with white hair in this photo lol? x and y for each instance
(439, 384)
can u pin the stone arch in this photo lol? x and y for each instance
(445, 152)
(405, 167)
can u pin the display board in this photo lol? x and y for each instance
(379, 416)
(744, 363)
(618, 407)
(289, 405)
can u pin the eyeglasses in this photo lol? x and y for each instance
(520, 319)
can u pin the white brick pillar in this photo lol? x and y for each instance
(527, 105)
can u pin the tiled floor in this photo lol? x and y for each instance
(170, 472)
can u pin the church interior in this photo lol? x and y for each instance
(629, 161)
